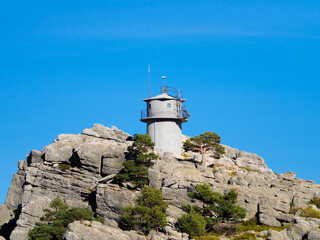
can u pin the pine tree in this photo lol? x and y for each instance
(149, 212)
(56, 219)
(139, 157)
(204, 142)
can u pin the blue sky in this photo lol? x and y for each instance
(249, 69)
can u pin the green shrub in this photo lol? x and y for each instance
(245, 236)
(252, 224)
(223, 206)
(207, 237)
(133, 172)
(192, 224)
(305, 212)
(310, 212)
(259, 228)
(149, 212)
(55, 221)
(100, 219)
(315, 201)
(249, 169)
(293, 209)
(217, 208)
(139, 157)
(64, 166)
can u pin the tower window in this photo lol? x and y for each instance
(168, 105)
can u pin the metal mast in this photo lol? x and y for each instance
(149, 78)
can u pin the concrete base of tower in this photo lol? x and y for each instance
(166, 135)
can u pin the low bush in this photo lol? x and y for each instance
(214, 217)
(249, 169)
(310, 212)
(305, 212)
(293, 209)
(64, 166)
(315, 201)
(252, 224)
(192, 224)
(149, 212)
(245, 236)
(223, 207)
(55, 221)
(207, 237)
(259, 228)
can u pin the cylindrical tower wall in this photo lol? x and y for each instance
(164, 108)
(166, 135)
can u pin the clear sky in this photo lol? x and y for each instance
(250, 71)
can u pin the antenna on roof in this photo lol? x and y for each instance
(149, 78)
(164, 89)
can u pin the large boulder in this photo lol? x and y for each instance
(252, 161)
(113, 133)
(111, 200)
(314, 234)
(90, 155)
(95, 230)
(5, 214)
(15, 192)
(58, 152)
(112, 161)
(34, 157)
(297, 231)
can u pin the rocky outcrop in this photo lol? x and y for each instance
(86, 230)
(110, 201)
(15, 192)
(5, 214)
(112, 133)
(80, 169)
(41, 177)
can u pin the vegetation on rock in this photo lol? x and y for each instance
(192, 223)
(204, 142)
(207, 237)
(148, 213)
(315, 201)
(138, 159)
(54, 223)
(305, 212)
(64, 166)
(246, 236)
(252, 225)
(216, 208)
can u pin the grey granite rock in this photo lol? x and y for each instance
(314, 234)
(276, 235)
(97, 155)
(34, 157)
(100, 131)
(5, 214)
(14, 197)
(96, 231)
(110, 201)
(112, 161)
(58, 152)
(297, 232)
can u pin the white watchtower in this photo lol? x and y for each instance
(164, 117)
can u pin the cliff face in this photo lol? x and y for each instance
(96, 155)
